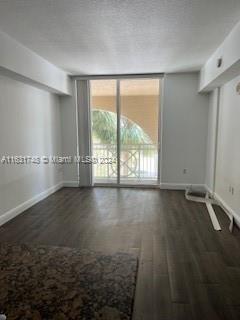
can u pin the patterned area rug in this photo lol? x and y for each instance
(55, 283)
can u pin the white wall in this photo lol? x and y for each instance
(228, 149)
(224, 113)
(21, 63)
(212, 140)
(211, 76)
(185, 125)
(29, 125)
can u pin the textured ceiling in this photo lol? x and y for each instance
(121, 36)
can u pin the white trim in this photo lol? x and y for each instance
(89, 130)
(118, 76)
(213, 217)
(118, 112)
(228, 210)
(208, 189)
(160, 132)
(122, 185)
(118, 79)
(179, 186)
(209, 202)
(216, 139)
(192, 197)
(77, 126)
(74, 184)
(27, 204)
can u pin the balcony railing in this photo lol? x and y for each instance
(137, 161)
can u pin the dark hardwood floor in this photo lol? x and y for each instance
(186, 271)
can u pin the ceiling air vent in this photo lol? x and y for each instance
(219, 62)
(238, 88)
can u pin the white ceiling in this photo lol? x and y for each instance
(121, 36)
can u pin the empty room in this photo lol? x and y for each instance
(119, 160)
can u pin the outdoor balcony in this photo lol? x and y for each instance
(138, 163)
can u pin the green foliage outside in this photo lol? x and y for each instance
(104, 125)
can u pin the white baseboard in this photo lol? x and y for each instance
(29, 203)
(227, 209)
(213, 216)
(180, 186)
(74, 184)
(208, 189)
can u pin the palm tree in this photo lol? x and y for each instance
(104, 128)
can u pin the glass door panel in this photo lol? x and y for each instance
(104, 130)
(139, 108)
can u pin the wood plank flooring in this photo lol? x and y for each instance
(186, 271)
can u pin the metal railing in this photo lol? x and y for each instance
(137, 161)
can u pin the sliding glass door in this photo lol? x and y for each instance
(104, 130)
(139, 106)
(125, 131)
